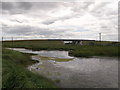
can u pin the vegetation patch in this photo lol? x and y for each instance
(54, 59)
(110, 51)
(88, 49)
(15, 74)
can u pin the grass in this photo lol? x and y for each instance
(89, 51)
(54, 59)
(93, 49)
(15, 74)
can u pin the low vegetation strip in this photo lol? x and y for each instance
(16, 75)
(86, 50)
(95, 51)
(53, 58)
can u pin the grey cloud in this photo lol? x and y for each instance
(45, 5)
(17, 21)
(99, 10)
(16, 7)
(17, 30)
(53, 20)
(78, 9)
(47, 22)
(105, 18)
(48, 32)
(97, 7)
(27, 30)
(7, 6)
(81, 6)
(23, 7)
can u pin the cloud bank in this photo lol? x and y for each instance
(77, 20)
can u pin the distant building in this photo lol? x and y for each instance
(67, 42)
(73, 42)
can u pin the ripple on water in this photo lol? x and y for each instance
(101, 72)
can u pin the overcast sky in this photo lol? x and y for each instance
(78, 20)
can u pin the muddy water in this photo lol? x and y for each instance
(96, 72)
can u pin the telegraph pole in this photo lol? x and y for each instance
(2, 38)
(12, 41)
(12, 38)
(100, 38)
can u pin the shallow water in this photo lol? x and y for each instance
(96, 72)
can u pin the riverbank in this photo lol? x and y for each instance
(89, 51)
(16, 75)
(77, 72)
(74, 50)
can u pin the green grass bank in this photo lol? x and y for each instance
(16, 75)
(87, 50)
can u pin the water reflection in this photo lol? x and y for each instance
(97, 72)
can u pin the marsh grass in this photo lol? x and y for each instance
(15, 74)
(96, 49)
(54, 59)
(111, 51)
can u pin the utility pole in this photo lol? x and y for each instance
(100, 38)
(2, 38)
(12, 41)
(12, 38)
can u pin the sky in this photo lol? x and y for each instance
(69, 20)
